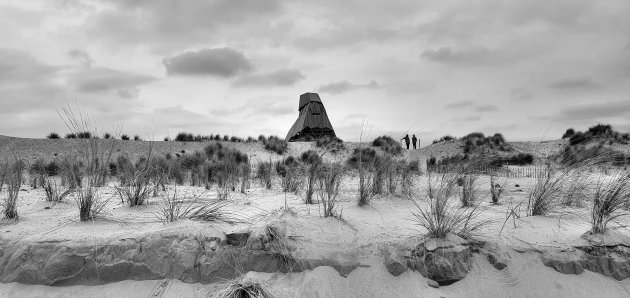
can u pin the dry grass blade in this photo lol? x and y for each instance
(214, 210)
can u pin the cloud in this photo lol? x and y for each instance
(100, 79)
(82, 57)
(263, 106)
(178, 117)
(572, 83)
(460, 104)
(221, 62)
(471, 56)
(521, 94)
(345, 86)
(486, 108)
(17, 66)
(471, 104)
(167, 22)
(282, 77)
(27, 84)
(468, 118)
(601, 111)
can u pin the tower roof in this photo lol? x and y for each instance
(308, 97)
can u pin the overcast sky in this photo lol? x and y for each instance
(238, 67)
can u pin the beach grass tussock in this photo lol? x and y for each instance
(14, 176)
(610, 196)
(443, 215)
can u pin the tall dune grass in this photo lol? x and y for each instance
(95, 155)
(610, 197)
(14, 178)
(329, 182)
(443, 215)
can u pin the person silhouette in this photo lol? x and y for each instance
(413, 141)
(406, 138)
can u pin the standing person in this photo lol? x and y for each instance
(413, 141)
(406, 138)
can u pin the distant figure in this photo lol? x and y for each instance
(413, 141)
(406, 138)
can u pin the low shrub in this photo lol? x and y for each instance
(365, 156)
(445, 138)
(277, 145)
(478, 142)
(569, 133)
(84, 135)
(330, 143)
(388, 145)
(53, 135)
(124, 137)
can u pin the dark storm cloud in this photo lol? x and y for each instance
(102, 79)
(597, 111)
(572, 83)
(221, 62)
(82, 57)
(282, 77)
(345, 86)
(460, 104)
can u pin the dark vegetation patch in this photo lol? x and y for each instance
(333, 144)
(480, 161)
(477, 142)
(189, 137)
(388, 145)
(597, 133)
(594, 154)
(275, 144)
(445, 138)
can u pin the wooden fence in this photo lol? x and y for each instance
(504, 171)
